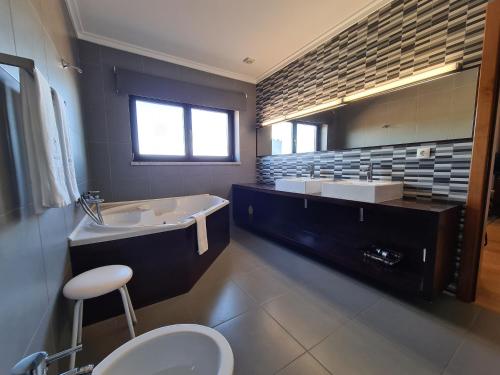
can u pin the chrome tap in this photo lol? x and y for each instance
(92, 198)
(369, 172)
(37, 363)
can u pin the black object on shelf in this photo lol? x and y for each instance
(383, 255)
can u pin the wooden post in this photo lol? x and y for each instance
(481, 155)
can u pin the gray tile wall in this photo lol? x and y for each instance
(33, 248)
(107, 119)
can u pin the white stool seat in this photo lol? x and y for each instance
(97, 282)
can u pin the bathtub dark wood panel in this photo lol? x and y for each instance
(165, 264)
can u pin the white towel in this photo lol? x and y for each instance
(67, 154)
(201, 230)
(45, 164)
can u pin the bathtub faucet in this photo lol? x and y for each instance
(88, 199)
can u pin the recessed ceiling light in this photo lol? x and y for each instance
(248, 60)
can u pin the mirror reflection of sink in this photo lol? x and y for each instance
(363, 191)
(303, 185)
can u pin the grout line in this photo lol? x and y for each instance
(236, 316)
(320, 363)
(349, 319)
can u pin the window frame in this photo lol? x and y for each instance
(188, 139)
(295, 123)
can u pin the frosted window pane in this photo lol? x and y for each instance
(210, 132)
(160, 129)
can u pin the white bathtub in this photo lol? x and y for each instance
(138, 218)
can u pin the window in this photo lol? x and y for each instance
(295, 137)
(167, 131)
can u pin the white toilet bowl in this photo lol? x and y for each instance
(181, 349)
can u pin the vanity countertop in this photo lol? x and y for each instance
(405, 203)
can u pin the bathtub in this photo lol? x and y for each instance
(156, 238)
(139, 218)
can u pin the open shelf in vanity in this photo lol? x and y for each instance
(339, 231)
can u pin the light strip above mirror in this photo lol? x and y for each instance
(422, 76)
(331, 104)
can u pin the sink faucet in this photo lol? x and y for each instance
(37, 363)
(310, 169)
(88, 199)
(369, 172)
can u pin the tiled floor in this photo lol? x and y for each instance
(286, 314)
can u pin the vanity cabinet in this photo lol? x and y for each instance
(340, 231)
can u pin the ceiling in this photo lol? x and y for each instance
(216, 35)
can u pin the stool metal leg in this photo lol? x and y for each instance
(80, 324)
(131, 307)
(76, 334)
(127, 312)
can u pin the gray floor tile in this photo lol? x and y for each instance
(351, 327)
(420, 332)
(335, 293)
(102, 338)
(487, 327)
(307, 323)
(357, 349)
(213, 303)
(480, 352)
(304, 365)
(475, 356)
(233, 261)
(259, 344)
(172, 311)
(261, 284)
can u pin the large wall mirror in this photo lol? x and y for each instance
(437, 110)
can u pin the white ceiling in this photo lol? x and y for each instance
(216, 35)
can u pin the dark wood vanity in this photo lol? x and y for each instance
(340, 231)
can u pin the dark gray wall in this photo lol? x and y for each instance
(107, 120)
(33, 249)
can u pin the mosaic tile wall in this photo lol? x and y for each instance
(444, 176)
(400, 38)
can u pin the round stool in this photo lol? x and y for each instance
(95, 283)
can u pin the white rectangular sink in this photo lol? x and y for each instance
(363, 191)
(303, 185)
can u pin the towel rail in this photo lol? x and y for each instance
(29, 65)
(20, 62)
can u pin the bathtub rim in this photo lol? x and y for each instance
(83, 236)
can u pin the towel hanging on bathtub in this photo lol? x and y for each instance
(67, 154)
(45, 161)
(201, 231)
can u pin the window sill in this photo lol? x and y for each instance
(185, 163)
